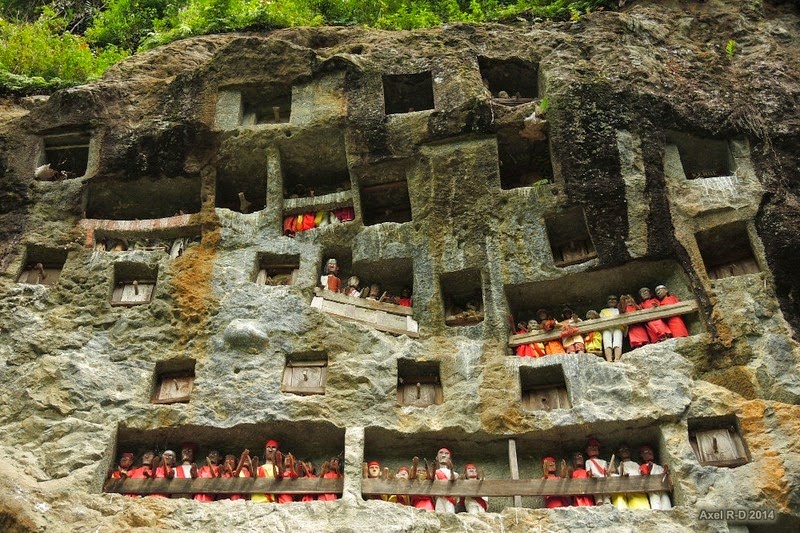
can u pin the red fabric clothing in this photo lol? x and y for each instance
(441, 475)
(160, 473)
(206, 472)
(286, 498)
(657, 330)
(554, 347)
(289, 225)
(308, 221)
(116, 474)
(481, 501)
(309, 497)
(582, 501)
(334, 283)
(243, 473)
(329, 497)
(637, 333)
(137, 473)
(345, 214)
(422, 502)
(675, 323)
(405, 302)
(552, 502)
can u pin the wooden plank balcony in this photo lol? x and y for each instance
(599, 324)
(325, 202)
(517, 487)
(382, 316)
(241, 485)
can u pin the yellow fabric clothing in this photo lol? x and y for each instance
(265, 471)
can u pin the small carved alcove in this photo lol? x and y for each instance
(305, 373)
(543, 388)
(726, 251)
(516, 78)
(569, 237)
(277, 269)
(67, 153)
(717, 441)
(243, 188)
(134, 284)
(703, 158)
(271, 104)
(405, 93)
(314, 165)
(418, 383)
(462, 294)
(523, 162)
(390, 275)
(384, 195)
(174, 381)
(43, 266)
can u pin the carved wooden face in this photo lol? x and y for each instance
(230, 461)
(402, 474)
(147, 458)
(472, 472)
(213, 456)
(374, 470)
(187, 454)
(624, 453)
(647, 454)
(169, 457)
(126, 461)
(661, 292)
(443, 456)
(549, 465)
(578, 460)
(270, 452)
(644, 293)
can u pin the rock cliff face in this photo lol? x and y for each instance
(639, 152)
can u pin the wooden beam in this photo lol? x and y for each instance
(325, 202)
(363, 302)
(598, 324)
(520, 487)
(514, 466)
(242, 485)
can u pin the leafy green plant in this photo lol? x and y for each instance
(730, 48)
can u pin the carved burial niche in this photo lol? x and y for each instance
(569, 237)
(142, 199)
(277, 269)
(523, 162)
(717, 441)
(418, 383)
(314, 164)
(384, 194)
(388, 276)
(174, 381)
(43, 266)
(726, 251)
(134, 283)
(543, 388)
(305, 373)
(344, 263)
(462, 294)
(270, 104)
(404, 93)
(516, 78)
(702, 158)
(67, 152)
(242, 187)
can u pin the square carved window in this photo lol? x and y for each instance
(134, 284)
(42, 266)
(67, 153)
(726, 251)
(277, 269)
(513, 80)
(544, 388)
(305, 374)
(174, 381)
(418, 383)
(462, 293)
(569, 238)
(703, 158)
(717, 442)
(405, 93)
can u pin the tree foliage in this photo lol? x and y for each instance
(76, 40)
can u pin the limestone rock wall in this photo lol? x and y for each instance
(632, 111)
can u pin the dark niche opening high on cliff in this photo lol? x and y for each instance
(305, 373)
(386, 277)
(717, 441)
(267, 104)
(462, 294)
(67, 153)
(42, 265)
(134, 283)
(277, 269)
(418, 383)
(404, 93)
(314, 166)
(241, 190)
(584, 291)
(523, 162)
(543, 388)
(703, 158)
(569, 237)
(384, 194)
(173, 381)
(516, 79)
(343, 257)
(142, 198)
(726, 251)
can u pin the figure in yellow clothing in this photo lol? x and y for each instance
(270, 470)
(629, 467)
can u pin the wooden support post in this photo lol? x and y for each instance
(514, 466)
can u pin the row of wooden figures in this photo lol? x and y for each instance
(331, 281)
(592, 467)
(607, 342)
(275, 466)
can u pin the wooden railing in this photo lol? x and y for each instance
(222, 486)
(382, 316)
(599, 324)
